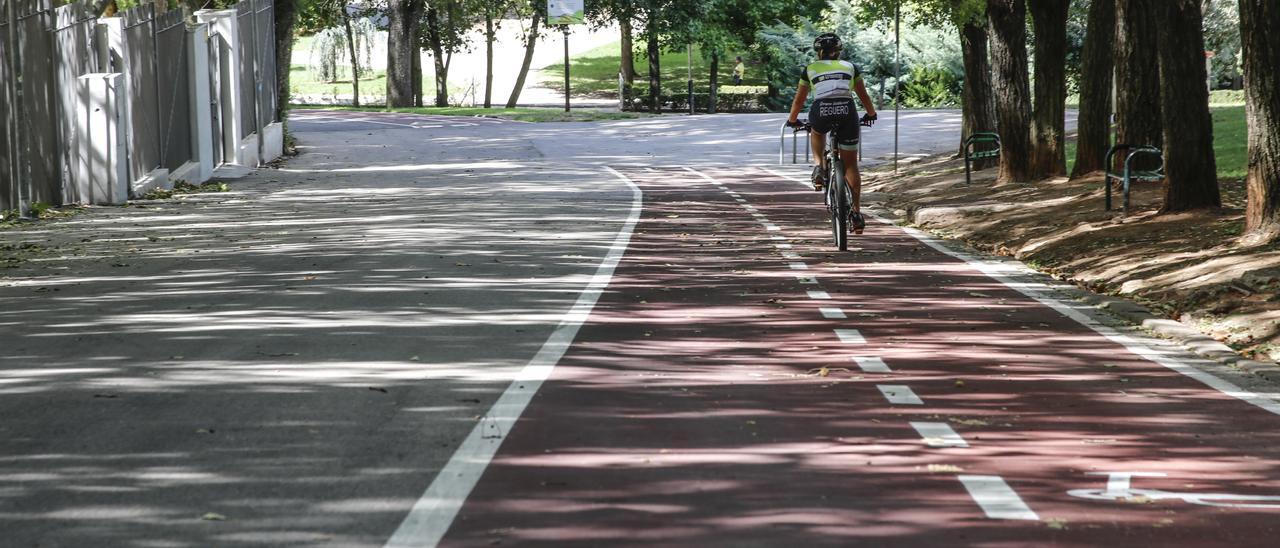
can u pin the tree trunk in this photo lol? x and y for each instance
(488, 58)
(1012, 88)
(715, 83)
(286, 15)
(402, 46)
(436, 42)
(1191, 171)
(351, 50)
(655, 72)
(1048, 127)
(628, 66)
(417, 78)
(1259, 19)
(1137, 74)
(979, 109)
(1094, 133)
(531, 41)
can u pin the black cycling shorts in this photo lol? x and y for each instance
(840, 113)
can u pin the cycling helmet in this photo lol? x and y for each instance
(827, 41)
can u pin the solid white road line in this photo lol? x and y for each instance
(938, 434)
(819, 295)
(433, 513)
(872, 365)
(899, 394)
(850, 336)
(997, 499)
(1000, 273)
(832, 313)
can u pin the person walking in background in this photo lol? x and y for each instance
(739, 70)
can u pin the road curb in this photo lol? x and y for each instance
(1128, 312)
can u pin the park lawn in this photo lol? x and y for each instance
(517, 114)
(1230, 142)
(302, 82)
(595, 73)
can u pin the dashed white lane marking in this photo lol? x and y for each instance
(777, 237)
(751, 208)
(740, 200)
(782, 246)
(850, 336)
(819, 295)
(997, 499)
(872, 365)
(434, 512)
(772, 227)
(807, 280)
(790, 255)
(899, 394)
(832, 313)
(938, 434)
(799, 266)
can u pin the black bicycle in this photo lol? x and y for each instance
(837, 196)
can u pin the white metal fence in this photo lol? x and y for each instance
(96, 110)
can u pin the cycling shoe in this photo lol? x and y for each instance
(819, 178)
(859, 223)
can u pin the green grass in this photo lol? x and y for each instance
(303, 82)
(1230, 142)
(518, 114)
(595, 73)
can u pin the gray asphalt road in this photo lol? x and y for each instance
(290, 363)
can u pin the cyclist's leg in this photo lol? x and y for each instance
(818, 142)
(852, 176)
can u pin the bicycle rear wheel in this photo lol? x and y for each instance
(839, 206)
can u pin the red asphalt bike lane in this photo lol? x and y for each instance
(692, 408)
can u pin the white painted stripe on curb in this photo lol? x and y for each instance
(872, 365)
(899, 394)
(820, 295)
(832, 313)
(938, 434)
(799, 266)
(997, 499)
(1000, 273)
(434, 512)
(850, 336)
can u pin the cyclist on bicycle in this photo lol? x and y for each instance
(833, 83)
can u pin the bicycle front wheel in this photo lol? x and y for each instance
(839, 206)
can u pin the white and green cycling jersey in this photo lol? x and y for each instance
(831, 79)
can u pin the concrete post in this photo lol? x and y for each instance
(103, 160)
(225, 31)
(201, 102)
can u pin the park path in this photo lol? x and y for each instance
(303, 361)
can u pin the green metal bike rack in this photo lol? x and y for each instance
(971, 152)
(1129, 174)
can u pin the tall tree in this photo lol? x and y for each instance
(345, 16)
(1048, 128)
(402, 46)
(1191, 172)
(492, 12)
(1259, 21)
(285, 16)
(1012, 89)
(534, 9)
(1137, 73)
(1094, 133)
(977, 105)
(447, 25)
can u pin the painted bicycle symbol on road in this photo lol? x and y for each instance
(1120, 488)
